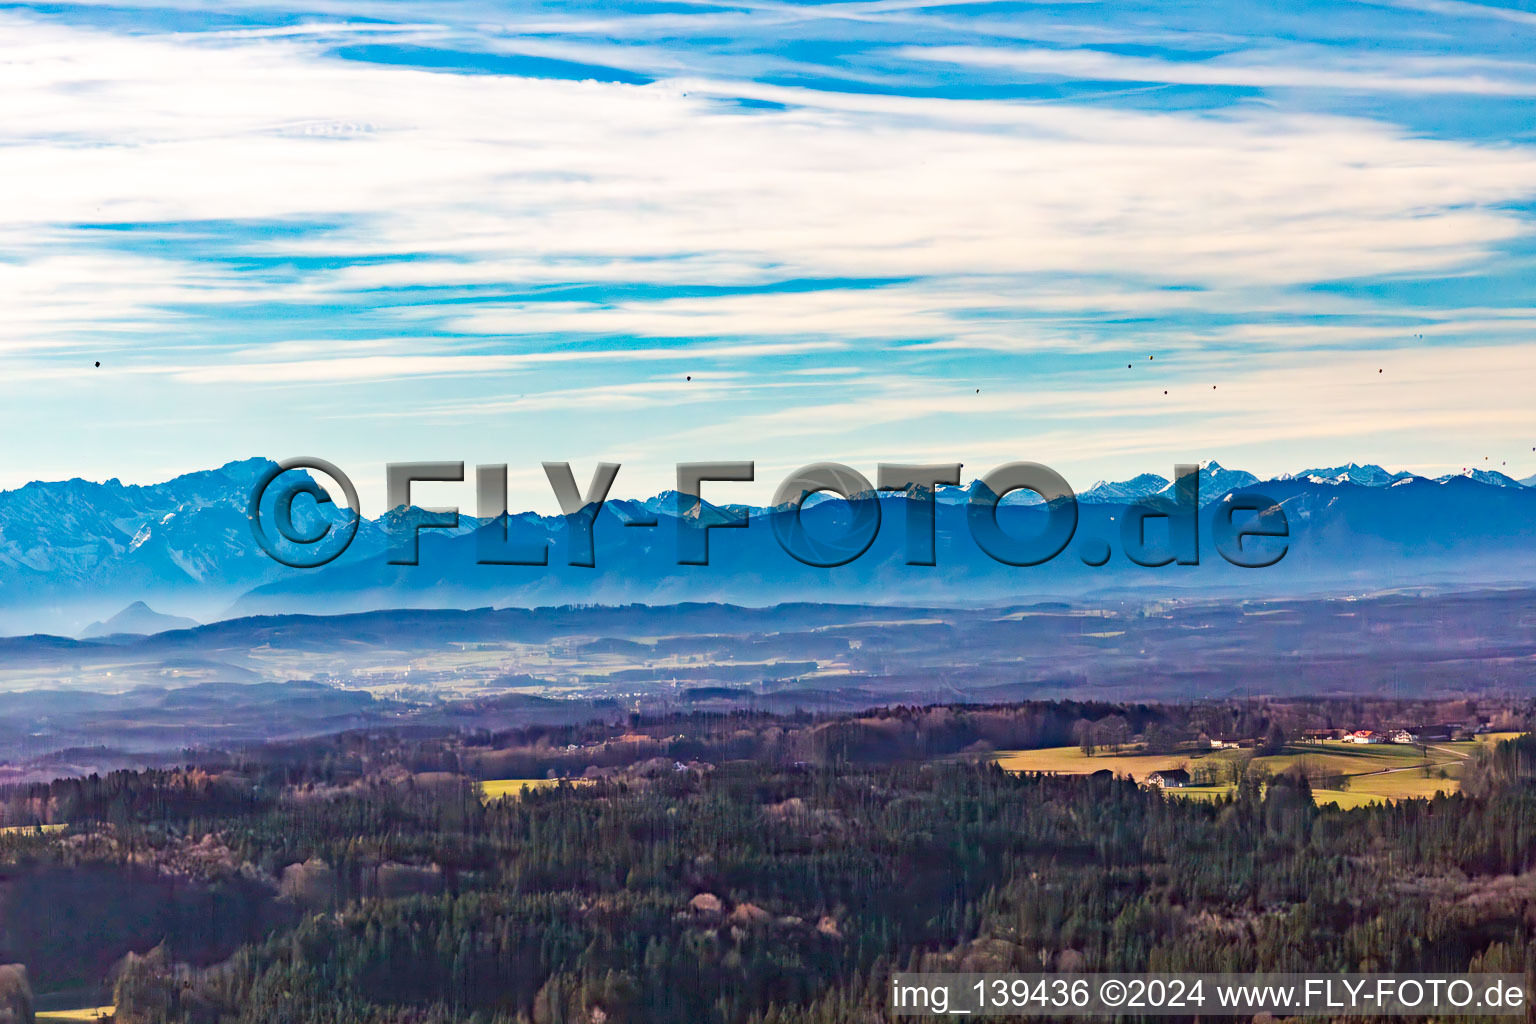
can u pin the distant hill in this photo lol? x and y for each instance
(137, 618)
(231, 682)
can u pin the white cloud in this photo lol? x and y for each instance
(487, 179)
(373, 367)
(1275, 401)
(1007, 233)
(1461, 9)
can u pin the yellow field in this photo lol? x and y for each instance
(1401, 785)
(30, 830)
(1369, 790)
(1070, 761)
(514, 787)
(91, 1013)
(1348, 801)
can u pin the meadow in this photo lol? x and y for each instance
(1381, 772)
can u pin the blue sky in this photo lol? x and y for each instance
(883, 231)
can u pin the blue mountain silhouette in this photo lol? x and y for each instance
(74, 551)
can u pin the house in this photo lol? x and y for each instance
(1365, 736)
(1169, 778)
(1403, 736)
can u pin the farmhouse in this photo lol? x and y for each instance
(1169, 778)
(1365, 736)
(1424, 733)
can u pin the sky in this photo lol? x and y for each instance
(1105, 237)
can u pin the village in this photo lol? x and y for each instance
(1345, 766)
(1310, 756)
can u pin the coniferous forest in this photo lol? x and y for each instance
(367, 879)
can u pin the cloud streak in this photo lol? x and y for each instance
(1284, 70)
(446, 209)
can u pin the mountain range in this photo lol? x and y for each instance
(76, 551)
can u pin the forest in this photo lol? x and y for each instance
(733, 869)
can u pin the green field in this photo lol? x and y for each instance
(1352, 758)
(1401, 785)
